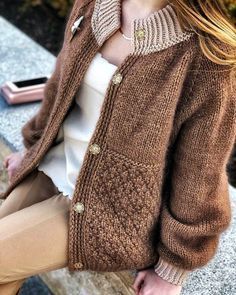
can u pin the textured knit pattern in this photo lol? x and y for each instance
(158, 188)
(135, 199)
(162, 28)
(170, 273)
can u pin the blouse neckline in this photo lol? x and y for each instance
(99, 54)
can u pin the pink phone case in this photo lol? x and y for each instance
(15, 95)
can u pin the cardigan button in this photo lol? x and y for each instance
(140, 34)
(78, 265)
(94, 149)
(117, 78)
(79, 207)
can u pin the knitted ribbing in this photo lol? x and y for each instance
(174, 275)
(158, 187)
(161, 28)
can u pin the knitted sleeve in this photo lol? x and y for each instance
(33, 128)
(197, 209)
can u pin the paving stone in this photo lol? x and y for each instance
(20, 58)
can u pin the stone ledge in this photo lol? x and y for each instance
(20, 58)
(61, 282)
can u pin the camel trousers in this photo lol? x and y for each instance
(33, 231)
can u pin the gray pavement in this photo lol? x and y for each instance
(20, 58)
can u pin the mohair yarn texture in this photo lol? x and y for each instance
(157, 190)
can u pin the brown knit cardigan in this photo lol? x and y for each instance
(152, 189)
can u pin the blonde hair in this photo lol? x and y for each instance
(208, 18)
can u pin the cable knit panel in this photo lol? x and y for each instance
(125, 230)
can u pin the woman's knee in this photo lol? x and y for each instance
(44, 222)
(9, 254)
(4, 263)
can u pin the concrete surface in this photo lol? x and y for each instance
(20, 58)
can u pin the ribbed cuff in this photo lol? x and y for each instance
(170, 273)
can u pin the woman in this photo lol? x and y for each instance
(124, 167)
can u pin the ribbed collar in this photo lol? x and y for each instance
(161, 29)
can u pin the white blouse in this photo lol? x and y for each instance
(63, 161)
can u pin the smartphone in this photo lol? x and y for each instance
(24, 91)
